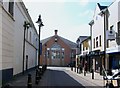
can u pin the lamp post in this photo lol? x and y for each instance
(45, 54)
(40, 24)
(26, 25)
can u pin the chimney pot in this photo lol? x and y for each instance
(56, 32)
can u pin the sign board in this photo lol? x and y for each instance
(40, 48)
(110, 35)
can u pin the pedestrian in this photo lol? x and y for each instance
(85, 68)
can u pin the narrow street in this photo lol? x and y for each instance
(56, 76)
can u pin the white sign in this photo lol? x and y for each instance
(110, 35)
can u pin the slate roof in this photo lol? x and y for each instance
(66, 41)
(101, 7)
(45, 40)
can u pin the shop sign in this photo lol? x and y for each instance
(110, 35)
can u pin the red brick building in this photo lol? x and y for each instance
(57, 51)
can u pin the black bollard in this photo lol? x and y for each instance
(84, 73)
(37, 77)
(71, 68)
(39, 73)
(29, 84)
(92, 73)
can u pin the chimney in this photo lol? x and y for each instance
(56, 32)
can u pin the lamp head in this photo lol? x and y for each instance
(27, 24)
(39, 21)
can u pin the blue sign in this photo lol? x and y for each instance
(40, 48)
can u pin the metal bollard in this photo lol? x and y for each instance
(37, 77)
(71, 68)
(84, 73)
(92, 73)
(29, 84)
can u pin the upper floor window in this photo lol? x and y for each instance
(118, 34)
(96, 41)
(11, 7)
(1, 1)
(30, 36)
(100, 40)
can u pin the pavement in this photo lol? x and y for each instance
(88, 81)
(70, 78)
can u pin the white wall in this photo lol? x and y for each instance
(98, 29)
(0, 38)
(30, 49)
(113, 19)
(7, 40)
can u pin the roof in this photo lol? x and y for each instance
(66, 41)
(82, 38)
(86, 38)
(101, 7)
(45, 40)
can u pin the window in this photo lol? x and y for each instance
(87, 48)
(1, 1)
(30, 36)
(11, 7)
(96, 41)
(83, 48)
(62, 55)
(100, 40)
(57, 52)
(118, 34)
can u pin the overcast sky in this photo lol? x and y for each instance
(69, 17)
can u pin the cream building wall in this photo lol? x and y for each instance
(97, 30)
(11, 41)
(113, 20)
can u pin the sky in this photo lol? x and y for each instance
(69, 17)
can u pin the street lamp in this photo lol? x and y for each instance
(40, 24)
(26, 26)
(45, 54)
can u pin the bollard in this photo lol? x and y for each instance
(84, 73)
(92, 73)
(71, 68)
(29, 84)
(37, 77)
(39, 74)
(77, 69)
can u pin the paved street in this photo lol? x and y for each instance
(57, 76)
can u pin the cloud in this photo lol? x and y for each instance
(84, 2)
(86, 13)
